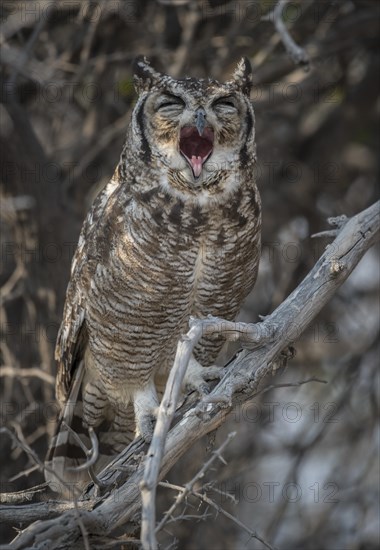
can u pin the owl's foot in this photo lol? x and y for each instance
(145, 403)
(196, 377)
(145, 427)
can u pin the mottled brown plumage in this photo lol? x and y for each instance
(175, 233)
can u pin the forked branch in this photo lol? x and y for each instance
(263, 342)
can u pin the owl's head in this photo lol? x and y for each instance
(198, 132)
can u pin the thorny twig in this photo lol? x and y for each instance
(219, 509)
(190, 485)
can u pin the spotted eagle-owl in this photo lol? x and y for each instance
(175, 233)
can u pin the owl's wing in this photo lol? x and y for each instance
(72, 335)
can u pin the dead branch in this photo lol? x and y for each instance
(14, 22)
(297, 54)
(22, 496)
(240, 383)
(304, 303)
(33, 512)
(13, 372)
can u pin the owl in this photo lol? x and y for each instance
(174, 234)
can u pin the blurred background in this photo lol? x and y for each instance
(302, 470)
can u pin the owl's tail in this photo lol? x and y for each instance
(67, 451)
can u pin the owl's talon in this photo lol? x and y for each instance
(196, 377)
(145, 403)
(202, 389)
(145, 427)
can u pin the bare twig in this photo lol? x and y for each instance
(33, 372)
(338, 222)
(23, 473)
(291, 384)
(298, 54)
(192, 20)
(164, 418)
(20, 441)
(7, 291)
(27, 50)
(110, 133)
(92, 453)
(22, 17)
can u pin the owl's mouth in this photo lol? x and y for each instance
(196, 148)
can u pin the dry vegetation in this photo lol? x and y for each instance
(301, 471)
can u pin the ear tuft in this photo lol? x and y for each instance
(144, 76)
(242, 75)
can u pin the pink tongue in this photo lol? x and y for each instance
(196, 163)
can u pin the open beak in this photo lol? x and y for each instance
(196, 143)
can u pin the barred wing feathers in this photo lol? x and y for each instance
(72, 335)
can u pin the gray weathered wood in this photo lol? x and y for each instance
(241, 382)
